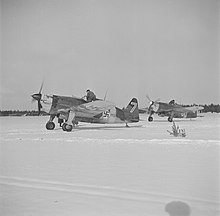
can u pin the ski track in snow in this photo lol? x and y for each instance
(42, 136)
(98, 191)
(173, 141)
(29, 133)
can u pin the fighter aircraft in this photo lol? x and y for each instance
(171, 110)
(72, 110)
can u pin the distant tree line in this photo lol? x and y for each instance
(207, 108)
(20, 113)
(211, 108)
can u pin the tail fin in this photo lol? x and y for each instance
(130, 113)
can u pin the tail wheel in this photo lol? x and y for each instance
(67, 127)
(170, 119)
(50, 125)
(75, 122)
(150, 119)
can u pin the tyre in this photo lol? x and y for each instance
(67, 127)
(170, 119)
(50, 125)
(150, 119)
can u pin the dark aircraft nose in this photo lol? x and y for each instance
(36, 96)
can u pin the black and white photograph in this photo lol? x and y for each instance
(109, 108)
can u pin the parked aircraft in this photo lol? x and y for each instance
(172, 110)
(72, 110)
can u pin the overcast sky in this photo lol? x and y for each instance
(168, 49)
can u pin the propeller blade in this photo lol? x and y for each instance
(39, 107)
(105, 94)
(147, 96)
(36, 96)
(151, 101)
(157, 101)
(41, 87)
(32, 99)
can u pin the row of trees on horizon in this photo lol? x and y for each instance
(207, 108)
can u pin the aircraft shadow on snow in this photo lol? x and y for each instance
(101, 127)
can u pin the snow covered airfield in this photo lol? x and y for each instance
(99, 170)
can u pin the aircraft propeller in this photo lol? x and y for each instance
(151, 103)
(37, 97)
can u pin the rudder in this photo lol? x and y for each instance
(131, 112)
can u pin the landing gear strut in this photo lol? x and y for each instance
(68, 125)
(60, 121)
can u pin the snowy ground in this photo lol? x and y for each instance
(99, 170)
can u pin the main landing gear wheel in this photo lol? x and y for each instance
(50, 125)
(150, 119)
(67, 127)
(170, 119)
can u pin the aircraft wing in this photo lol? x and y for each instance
(195, 108)
(176, 109)
(188, 109)
(180, 110)
(94, 107)
(64, 103)
(143, 110)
